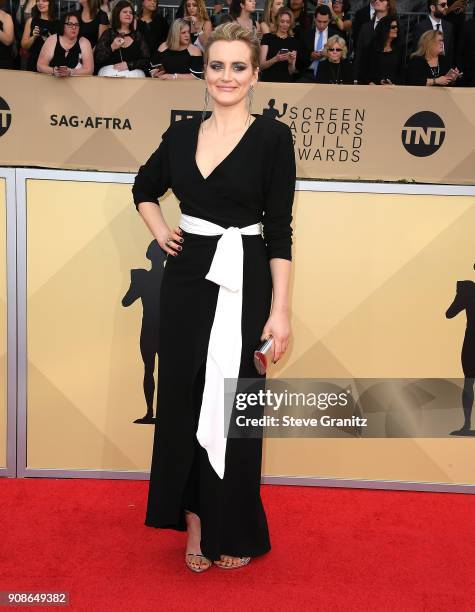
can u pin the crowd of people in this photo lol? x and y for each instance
(321, 43)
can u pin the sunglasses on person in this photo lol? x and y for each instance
(394, 27)
(335, 49)
(71, 24)
(442, 4)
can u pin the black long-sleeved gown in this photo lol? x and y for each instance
(254, 183)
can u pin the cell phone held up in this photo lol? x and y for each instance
(153, 67)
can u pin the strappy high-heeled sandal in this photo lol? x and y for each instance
(188, 563)
(242, 561)
(197, 569)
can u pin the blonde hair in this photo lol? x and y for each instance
(268, 17)
(173, 38)
(202, 12)
(230, 32)
(340, 41)
(285, 11)
(425, 41)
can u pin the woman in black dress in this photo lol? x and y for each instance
(241, 11)
(268, 22)
(152, 26)
(177, 58)
(340, 10)
(198, 480)
(66, 54)
(121, 50)
(336, 69)
(200, 24)
(38, 28)
(385, 61)
(279, 67)
(428, 65)
(94, 21)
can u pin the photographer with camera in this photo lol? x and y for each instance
(38, 27)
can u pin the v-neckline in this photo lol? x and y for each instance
(225, 158)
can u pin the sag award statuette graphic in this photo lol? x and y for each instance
(465, 300)
(145, 285)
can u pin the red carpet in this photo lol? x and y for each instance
(333, 549)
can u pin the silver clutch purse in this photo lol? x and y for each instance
(262, 355)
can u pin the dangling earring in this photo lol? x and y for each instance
(250, 95)
(203, 114)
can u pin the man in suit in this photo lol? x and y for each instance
(381, 8)
(435, 21)
(314, 42)
(362, 16)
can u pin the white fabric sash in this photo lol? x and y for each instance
(225, 342)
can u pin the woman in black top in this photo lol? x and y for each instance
(275, 66)
(230, 173)
(94, 21)
(121, 50)
(7, 37)
(336, 69)
(268, 20)
(385, 60)
(66, 54)
(200, 24)
(177, 58)
(152, 26)
(428, 65)
(241, 11)
(339, 9)
(37, 29)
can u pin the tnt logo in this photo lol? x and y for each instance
(5, 117)
(423, 134)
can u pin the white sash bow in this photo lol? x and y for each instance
(225, 343)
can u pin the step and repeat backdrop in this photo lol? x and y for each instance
(349, 132)
(3, 326)
(372, 279)
(382, 283)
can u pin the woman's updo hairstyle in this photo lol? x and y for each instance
(233, 31)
